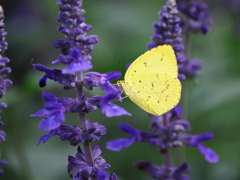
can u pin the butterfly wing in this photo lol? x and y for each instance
(161, 59)
(155, 93)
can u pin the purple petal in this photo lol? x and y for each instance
(96, 151)
(80, 62)
(2, 135)
(43, 81)
(195, 140)
(119, 144)
(113, 177)
(80, 154)
(209, 155)
(130, 130)
(52, 122)
(177, 110)
(109, 88)
(181, 169)
(74, 67)
(111, 110)
(53, 106)
(49, 97)
(45, 137)
(101, 163)
(76, 164)
(102, 175)
(2, 161)
(42, 113)
(114, 75)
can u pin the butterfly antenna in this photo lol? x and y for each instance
(120, 65)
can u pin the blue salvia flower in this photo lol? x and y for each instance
(196, 19)
(197, 14)
(4, 71)
(170, 130)
(164, 137)
(75, 49)
(169, 31)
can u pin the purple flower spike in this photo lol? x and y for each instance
(199, 17)
(75, 49)
(4, 83)
(168, 30)
(75, 29)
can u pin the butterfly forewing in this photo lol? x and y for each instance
(155, 93)
(161, 59)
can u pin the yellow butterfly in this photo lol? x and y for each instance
(151, 80)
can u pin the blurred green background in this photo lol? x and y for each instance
(123, 28)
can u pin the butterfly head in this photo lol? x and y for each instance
(119, 83)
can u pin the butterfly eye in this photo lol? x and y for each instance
(119, 83)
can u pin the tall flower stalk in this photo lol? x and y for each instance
(4, 83)
(75, 52)
(170, 129)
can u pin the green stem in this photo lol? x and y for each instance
(168, 154)
(184, 96)
(82, 119)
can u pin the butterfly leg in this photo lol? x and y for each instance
(120, 99)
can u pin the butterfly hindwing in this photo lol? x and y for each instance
(155, 93)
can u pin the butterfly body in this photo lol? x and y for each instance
(151, 81)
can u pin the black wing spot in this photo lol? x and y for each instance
(158, 101)
(152, 85)
(138, 91)
(135, 71)
(149, 96)
(166, 98)
(140, 81)
(145, 64)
